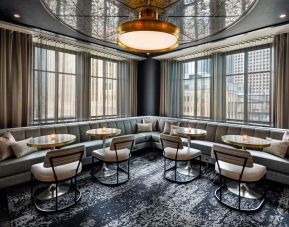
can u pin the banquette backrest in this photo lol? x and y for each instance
(215, 130)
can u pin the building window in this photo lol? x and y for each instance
(197, 88)
(54, 84)
(248, 86)
(103, 88)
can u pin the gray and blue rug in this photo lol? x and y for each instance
(150, 200)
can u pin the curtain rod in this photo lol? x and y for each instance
(232, 46)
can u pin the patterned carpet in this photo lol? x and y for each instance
(150, 200)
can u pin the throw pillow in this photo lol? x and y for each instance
(286, 136)
(277, 147)
(21, 149)
(286, 139)
(173, 128)
(153, 121)
(6, 139)
(144, 127)
(168, 125)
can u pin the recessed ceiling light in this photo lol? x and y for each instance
(283, 15)
(16, 15)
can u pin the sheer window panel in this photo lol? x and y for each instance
(66, 96)
(235, 97)
(44, 96)
(97, 97)
(203, 97)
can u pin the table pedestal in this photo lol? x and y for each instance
(188, 170)
(245, 190)
(50, 192)
(105, 171)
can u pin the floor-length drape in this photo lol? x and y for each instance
(171, 98)
(133, 64)
(123, 89)
(281, 81)
(15, 78)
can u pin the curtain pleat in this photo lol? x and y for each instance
(15, 79)
(133, 65)
(281, 81)
(171, 93)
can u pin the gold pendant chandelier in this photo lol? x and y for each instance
(148, 34)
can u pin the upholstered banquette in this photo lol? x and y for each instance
(17, 170)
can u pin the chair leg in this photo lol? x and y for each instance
(32, 187)
(75, 189)
(92, 165)
(128, 174)
(221, 189)
(175, 170)
(117, 173)
(239, 196)
(265, 186)
(56, 197)
(200, 167)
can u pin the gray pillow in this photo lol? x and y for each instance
(153, 121)
(21, 149)
(168, 126)
(277, 147)
(144, 127)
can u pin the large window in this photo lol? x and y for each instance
(103, 88)
(248, 86)
(54, 96)
(197, 88)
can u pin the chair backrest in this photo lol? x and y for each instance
(171, 141)
(122, 142)
(232, 155)
(63, 156)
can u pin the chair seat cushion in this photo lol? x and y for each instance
(184, 154)
(108, 155)
(62, 172)
(234, 171)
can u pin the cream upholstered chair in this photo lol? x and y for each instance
(174, 150)
(238, 165)
(59, 166)
(118, 152)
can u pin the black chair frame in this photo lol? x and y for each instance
(57, 182)
(222, 180)
(174, 168)
(118, 168)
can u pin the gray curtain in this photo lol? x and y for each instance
(218, 87)
(133, 65)
(171, 98)
(281, 81)
(15, 78)
(83, 89)
(123, 89)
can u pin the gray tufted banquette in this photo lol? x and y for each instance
(14, 171)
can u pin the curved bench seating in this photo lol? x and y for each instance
(14, 171)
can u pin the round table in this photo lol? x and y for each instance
(245, 142)
(190, 133)
(51, 142)
(104, 133)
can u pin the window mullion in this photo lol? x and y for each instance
(246, 79)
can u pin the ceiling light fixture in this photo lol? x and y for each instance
(16, 15)
(148, 34)
(283, 15)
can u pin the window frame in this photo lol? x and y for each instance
(104, 78)
(195, 60)
(246, 85)
(57, 74)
